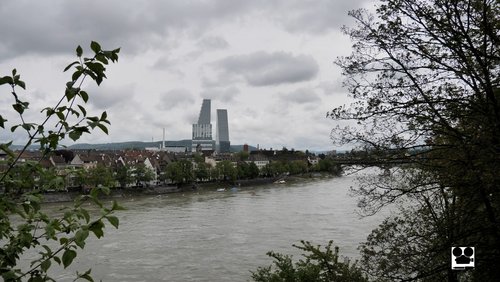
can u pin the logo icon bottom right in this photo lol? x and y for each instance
(462, 258)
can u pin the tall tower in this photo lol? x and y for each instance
(202, 131)
(222, 132)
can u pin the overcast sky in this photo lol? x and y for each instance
(269, 63)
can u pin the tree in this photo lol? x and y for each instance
(173, 172)
(49, 180)
(143, 174)
(99, 175)
(180, 172)
(425, 77)
(202, 171)
(123, 175)
(243, 170)
(227, 171)
(319, 265)
(21, 198)
(253, 170)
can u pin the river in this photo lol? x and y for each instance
(221, 236)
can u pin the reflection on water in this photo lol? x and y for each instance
(220, 236)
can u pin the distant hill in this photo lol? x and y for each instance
(239, 148)
(138, 145)
(142, 145)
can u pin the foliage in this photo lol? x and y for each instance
(180, 172)
(143, 174)
(23, 224)
(319, 265)
(202, 171)
(253, 170)
(327, 164)
(425, 77)
(123, 175)
(227, 171)
(98, 175)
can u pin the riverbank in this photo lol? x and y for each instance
(63, 196)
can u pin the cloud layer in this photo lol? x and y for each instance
(267, 61)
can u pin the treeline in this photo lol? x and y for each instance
(179, 172)
(185, 171)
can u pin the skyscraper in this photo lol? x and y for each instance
(222, 132)
(202, 131)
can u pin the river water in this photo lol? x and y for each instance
(221, 236)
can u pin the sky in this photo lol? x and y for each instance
(268, 62)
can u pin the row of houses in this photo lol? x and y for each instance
(155, 161)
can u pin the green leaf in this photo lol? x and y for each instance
(70, 65)
(101, 58)
(21, 84)
(71, 93)
(117, 207)
(113, 220)
(84, 95)
(6, 79)
(68, 257)
(2, 122)
(57, 259)
(80, 237)
(19, 108)
(45, 265)
(79, 51)
(97, 227)
(82, 109)
(86, 275)
(85, 214)
(95, 47)
(103, 128)
(28, 126)
(75, 135)
(5, 147)
(76, 75)
(60, 115)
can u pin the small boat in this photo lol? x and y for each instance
(221, 190)
(280, 181)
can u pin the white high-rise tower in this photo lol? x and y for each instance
(202, 131)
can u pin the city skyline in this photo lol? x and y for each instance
(269, 62)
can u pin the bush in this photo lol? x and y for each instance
(319, 265)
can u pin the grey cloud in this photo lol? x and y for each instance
(212, 43)
(332, 87)
(163, 63)
(302, 96)
(105, 97)
(264, 69)
(315, 16)
(39, 28)
(174, 98)
(225, 94)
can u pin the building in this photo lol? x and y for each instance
(222, 132)
(202, 131)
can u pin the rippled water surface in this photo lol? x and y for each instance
(221, 236)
